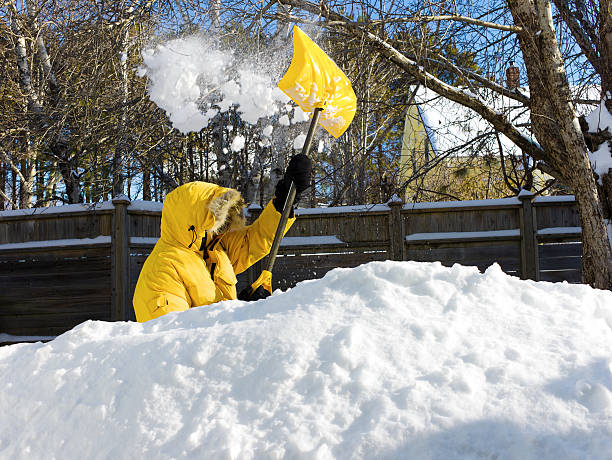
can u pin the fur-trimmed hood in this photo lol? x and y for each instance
(196, 208)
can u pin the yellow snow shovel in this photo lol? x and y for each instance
(317, 85)
(314, 81)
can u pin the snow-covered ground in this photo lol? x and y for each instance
(387, 360)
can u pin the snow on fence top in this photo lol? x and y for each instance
(343, 209)
(152, 206)
(463, 204)
(63, 243)
(67, 208)
(438, 236)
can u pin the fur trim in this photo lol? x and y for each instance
(228, 210)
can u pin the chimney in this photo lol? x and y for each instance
(513, 76)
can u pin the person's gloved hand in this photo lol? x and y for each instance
(299, 171)
(249, 294)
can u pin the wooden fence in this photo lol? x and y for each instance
(64, 265)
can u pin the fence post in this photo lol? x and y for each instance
(396, 228)
(120, 261)
(530, 265)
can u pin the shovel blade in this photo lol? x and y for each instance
(313, 80)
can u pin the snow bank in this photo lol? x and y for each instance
(387, 360)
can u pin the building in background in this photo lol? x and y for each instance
(449, 152)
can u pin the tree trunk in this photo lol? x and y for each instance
(26, 187)
(605, 42)
(14, 189)
(223, 157)
(215, 16)
(146, 184)
(605, 51)
(58, 144)
(557, 129)
(119, 158)
(2, 185)
(596, 260)
(255, 181)
(155, 187)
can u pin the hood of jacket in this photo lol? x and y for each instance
(195, 208)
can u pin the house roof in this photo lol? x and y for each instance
(457, 130)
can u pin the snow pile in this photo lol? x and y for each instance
(387, 360)
(193, 80)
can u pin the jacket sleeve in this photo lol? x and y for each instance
(247, 246)
(159, 289)
(166, 302)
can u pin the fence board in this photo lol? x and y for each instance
(86, 301)
(54, 227)
(50, 324)
(569, 249)
(144, 225)
(53, 284)
(46, 293)
(565, 258)
(556, 214)
(482, 256)
(40, 262)
(561, 263)
(459, 220)
(355, 227)
(290, 269)
(558, 276)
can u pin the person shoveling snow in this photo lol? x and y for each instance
(204, 243)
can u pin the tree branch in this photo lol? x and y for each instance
(7, 198)
(449, 17)
(483, 81)
(588, 47)
(12, 165)
(465, 98)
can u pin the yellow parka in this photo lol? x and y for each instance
(196, 260)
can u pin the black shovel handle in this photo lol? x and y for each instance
(280, 230)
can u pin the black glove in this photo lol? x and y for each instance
(249, 295)
(299, 171)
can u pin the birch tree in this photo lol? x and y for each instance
(556, 124)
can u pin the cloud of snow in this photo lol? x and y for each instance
(386, 360)
(192, 80)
